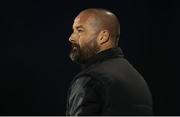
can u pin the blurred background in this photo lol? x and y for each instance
(35, 69)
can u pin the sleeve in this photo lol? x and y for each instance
(88, 99)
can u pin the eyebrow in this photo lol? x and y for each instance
(77, 27)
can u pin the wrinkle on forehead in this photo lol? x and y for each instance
(85, 19)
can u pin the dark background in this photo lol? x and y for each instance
(35, 70)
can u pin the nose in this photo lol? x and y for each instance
(72, 38)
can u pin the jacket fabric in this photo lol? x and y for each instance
(109, 85)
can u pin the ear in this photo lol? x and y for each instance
(103, 37)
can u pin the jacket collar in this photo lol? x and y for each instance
(104, 55)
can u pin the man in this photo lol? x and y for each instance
(108, 84)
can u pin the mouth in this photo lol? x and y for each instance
(74, 47)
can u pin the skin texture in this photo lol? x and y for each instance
(94, 30)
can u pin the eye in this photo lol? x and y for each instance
(80, 30)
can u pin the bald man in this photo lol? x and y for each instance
(108, 84)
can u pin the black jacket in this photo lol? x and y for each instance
(109, 85)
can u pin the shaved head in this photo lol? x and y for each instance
(103, 19)
(94, 30)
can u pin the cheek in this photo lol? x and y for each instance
(86, 39)
(82, 41)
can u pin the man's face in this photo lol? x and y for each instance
(83, 38)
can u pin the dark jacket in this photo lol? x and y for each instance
(109, 85)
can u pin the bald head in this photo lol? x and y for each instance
(94, 30)
(103, 19)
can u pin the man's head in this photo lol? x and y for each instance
(94, 30)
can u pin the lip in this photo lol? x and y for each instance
(74, 48)
(73, 45)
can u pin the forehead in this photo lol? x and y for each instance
(83, 20)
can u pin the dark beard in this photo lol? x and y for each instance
(80, 55)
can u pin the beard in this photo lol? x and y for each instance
(82, 54)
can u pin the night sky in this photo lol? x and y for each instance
(35, 69)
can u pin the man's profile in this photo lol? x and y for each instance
(108, 84)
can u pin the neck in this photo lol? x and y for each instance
(105, 47)
(103, 55)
